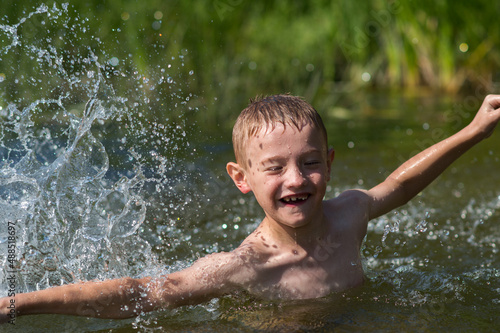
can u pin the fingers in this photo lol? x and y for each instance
(492, 101)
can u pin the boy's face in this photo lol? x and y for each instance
(287, 170)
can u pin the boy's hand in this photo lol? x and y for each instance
(488, 116)
(4, 310)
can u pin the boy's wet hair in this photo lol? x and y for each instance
(265, 113)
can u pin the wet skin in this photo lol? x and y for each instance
(304, 247)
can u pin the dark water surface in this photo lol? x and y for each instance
(106, 174)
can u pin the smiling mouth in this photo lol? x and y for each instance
(295, 198)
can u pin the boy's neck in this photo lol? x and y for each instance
(302, 237)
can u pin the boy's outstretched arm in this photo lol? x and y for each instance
(212, 276)
(419, 171)
(117, 298)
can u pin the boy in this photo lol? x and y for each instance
(304, 247)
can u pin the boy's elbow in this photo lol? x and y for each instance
(135, 297)
(403, 192)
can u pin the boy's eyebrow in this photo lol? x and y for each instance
(277, 158)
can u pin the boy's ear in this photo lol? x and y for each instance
(330, 157)
(237, 174)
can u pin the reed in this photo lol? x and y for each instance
(223, 51)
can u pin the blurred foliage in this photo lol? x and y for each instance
(236, 49)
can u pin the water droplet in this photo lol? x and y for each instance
(114, 61)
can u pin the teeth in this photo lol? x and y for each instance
(294, 199)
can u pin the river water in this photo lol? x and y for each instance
(104, 175)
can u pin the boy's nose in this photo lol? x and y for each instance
(295, 177)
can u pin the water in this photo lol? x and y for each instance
(76, 156)
(103, 175)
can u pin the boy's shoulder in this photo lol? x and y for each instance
(347, 201)
(348, 212)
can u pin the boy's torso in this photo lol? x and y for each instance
(330, 264)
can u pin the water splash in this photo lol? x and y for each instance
(73, 171)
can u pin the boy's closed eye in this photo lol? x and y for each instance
(274, 169)
(273, 165)
(311, 163)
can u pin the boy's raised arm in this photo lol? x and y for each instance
(419, 171)
(209, 277)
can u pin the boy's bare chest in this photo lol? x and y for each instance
(319, 273)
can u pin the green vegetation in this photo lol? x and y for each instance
(236, 49)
